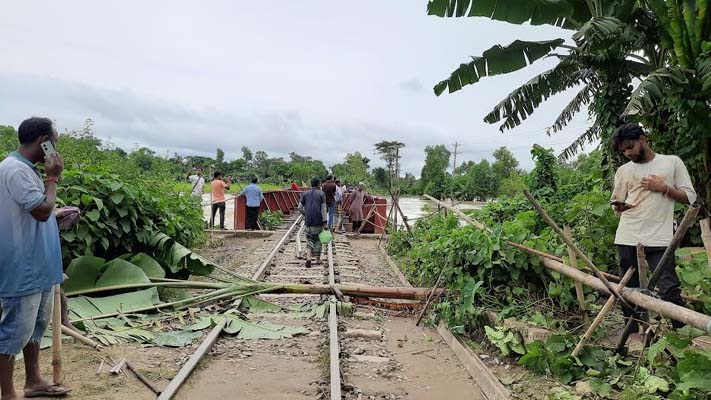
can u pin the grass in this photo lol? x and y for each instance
(186, 187)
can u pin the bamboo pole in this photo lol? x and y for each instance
(601, 315)
(542, 254)
(57, 375)
(686, 222)
(575, 248)
(142, 379)
(661, 307)
(429, 298)
(706, 237)
(642, 267)
(459, 212)
(579, 294)
(81, 338)
(367, 220)
(386, 224)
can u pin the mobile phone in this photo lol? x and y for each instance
(47, 148)
(617, 203)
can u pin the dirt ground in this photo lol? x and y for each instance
(420, 365)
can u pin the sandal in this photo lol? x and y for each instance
(50, 391)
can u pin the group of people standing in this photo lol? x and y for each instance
(321, 205)
(252, 192)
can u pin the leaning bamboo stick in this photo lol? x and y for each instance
(542, 254)
(601, 315)
(579, 294)
(661, 307)
(57, 375)
(143, 379)
(429, 298)
(686, 222)
(81, 338)
(575, 248)
(706, 237)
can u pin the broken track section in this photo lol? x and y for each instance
(374, 352)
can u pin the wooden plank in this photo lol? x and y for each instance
(489, 385)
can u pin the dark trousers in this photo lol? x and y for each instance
(218, 206)
(668, 283)
(252, 216)
(356, 225)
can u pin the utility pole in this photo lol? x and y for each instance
(454, 167)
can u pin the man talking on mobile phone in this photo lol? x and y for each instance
(31, 261)
(645, 191)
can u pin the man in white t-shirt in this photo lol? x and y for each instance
(198, 183)
(645, 191)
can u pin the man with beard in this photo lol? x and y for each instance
(645, 191)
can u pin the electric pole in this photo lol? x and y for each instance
(454, 168)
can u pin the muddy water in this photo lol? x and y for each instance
(415, 208)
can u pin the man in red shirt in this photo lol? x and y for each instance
(329, 188)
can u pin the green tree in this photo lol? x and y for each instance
(354, 169)
(544, 174)
(246, 155)
(8, 139)
(390, 153)
(434, 178)
(219, 159)
(483, 182)
(505, 164)
(380, 176)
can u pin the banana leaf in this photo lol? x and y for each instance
(121, 272)
(178, 257)
(83, 272)
(87, 307)
(149, 265)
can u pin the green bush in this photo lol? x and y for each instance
(271, 220)
(123, 217)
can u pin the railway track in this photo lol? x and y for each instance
(358, 355)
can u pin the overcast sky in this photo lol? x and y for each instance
(320, 78)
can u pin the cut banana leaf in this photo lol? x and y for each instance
(149, 265)
(120, 272)
(88, 307)
(261, 330)
(177, 338)
(83, 272)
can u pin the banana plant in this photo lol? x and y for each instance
(674, 99)
(608, 51)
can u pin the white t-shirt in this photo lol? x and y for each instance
(198, 182)
(651, 220)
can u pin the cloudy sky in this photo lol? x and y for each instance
(320, 78)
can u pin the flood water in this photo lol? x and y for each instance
(414, 207)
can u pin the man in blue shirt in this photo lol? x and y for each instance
(254, 199)
(31, 261)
